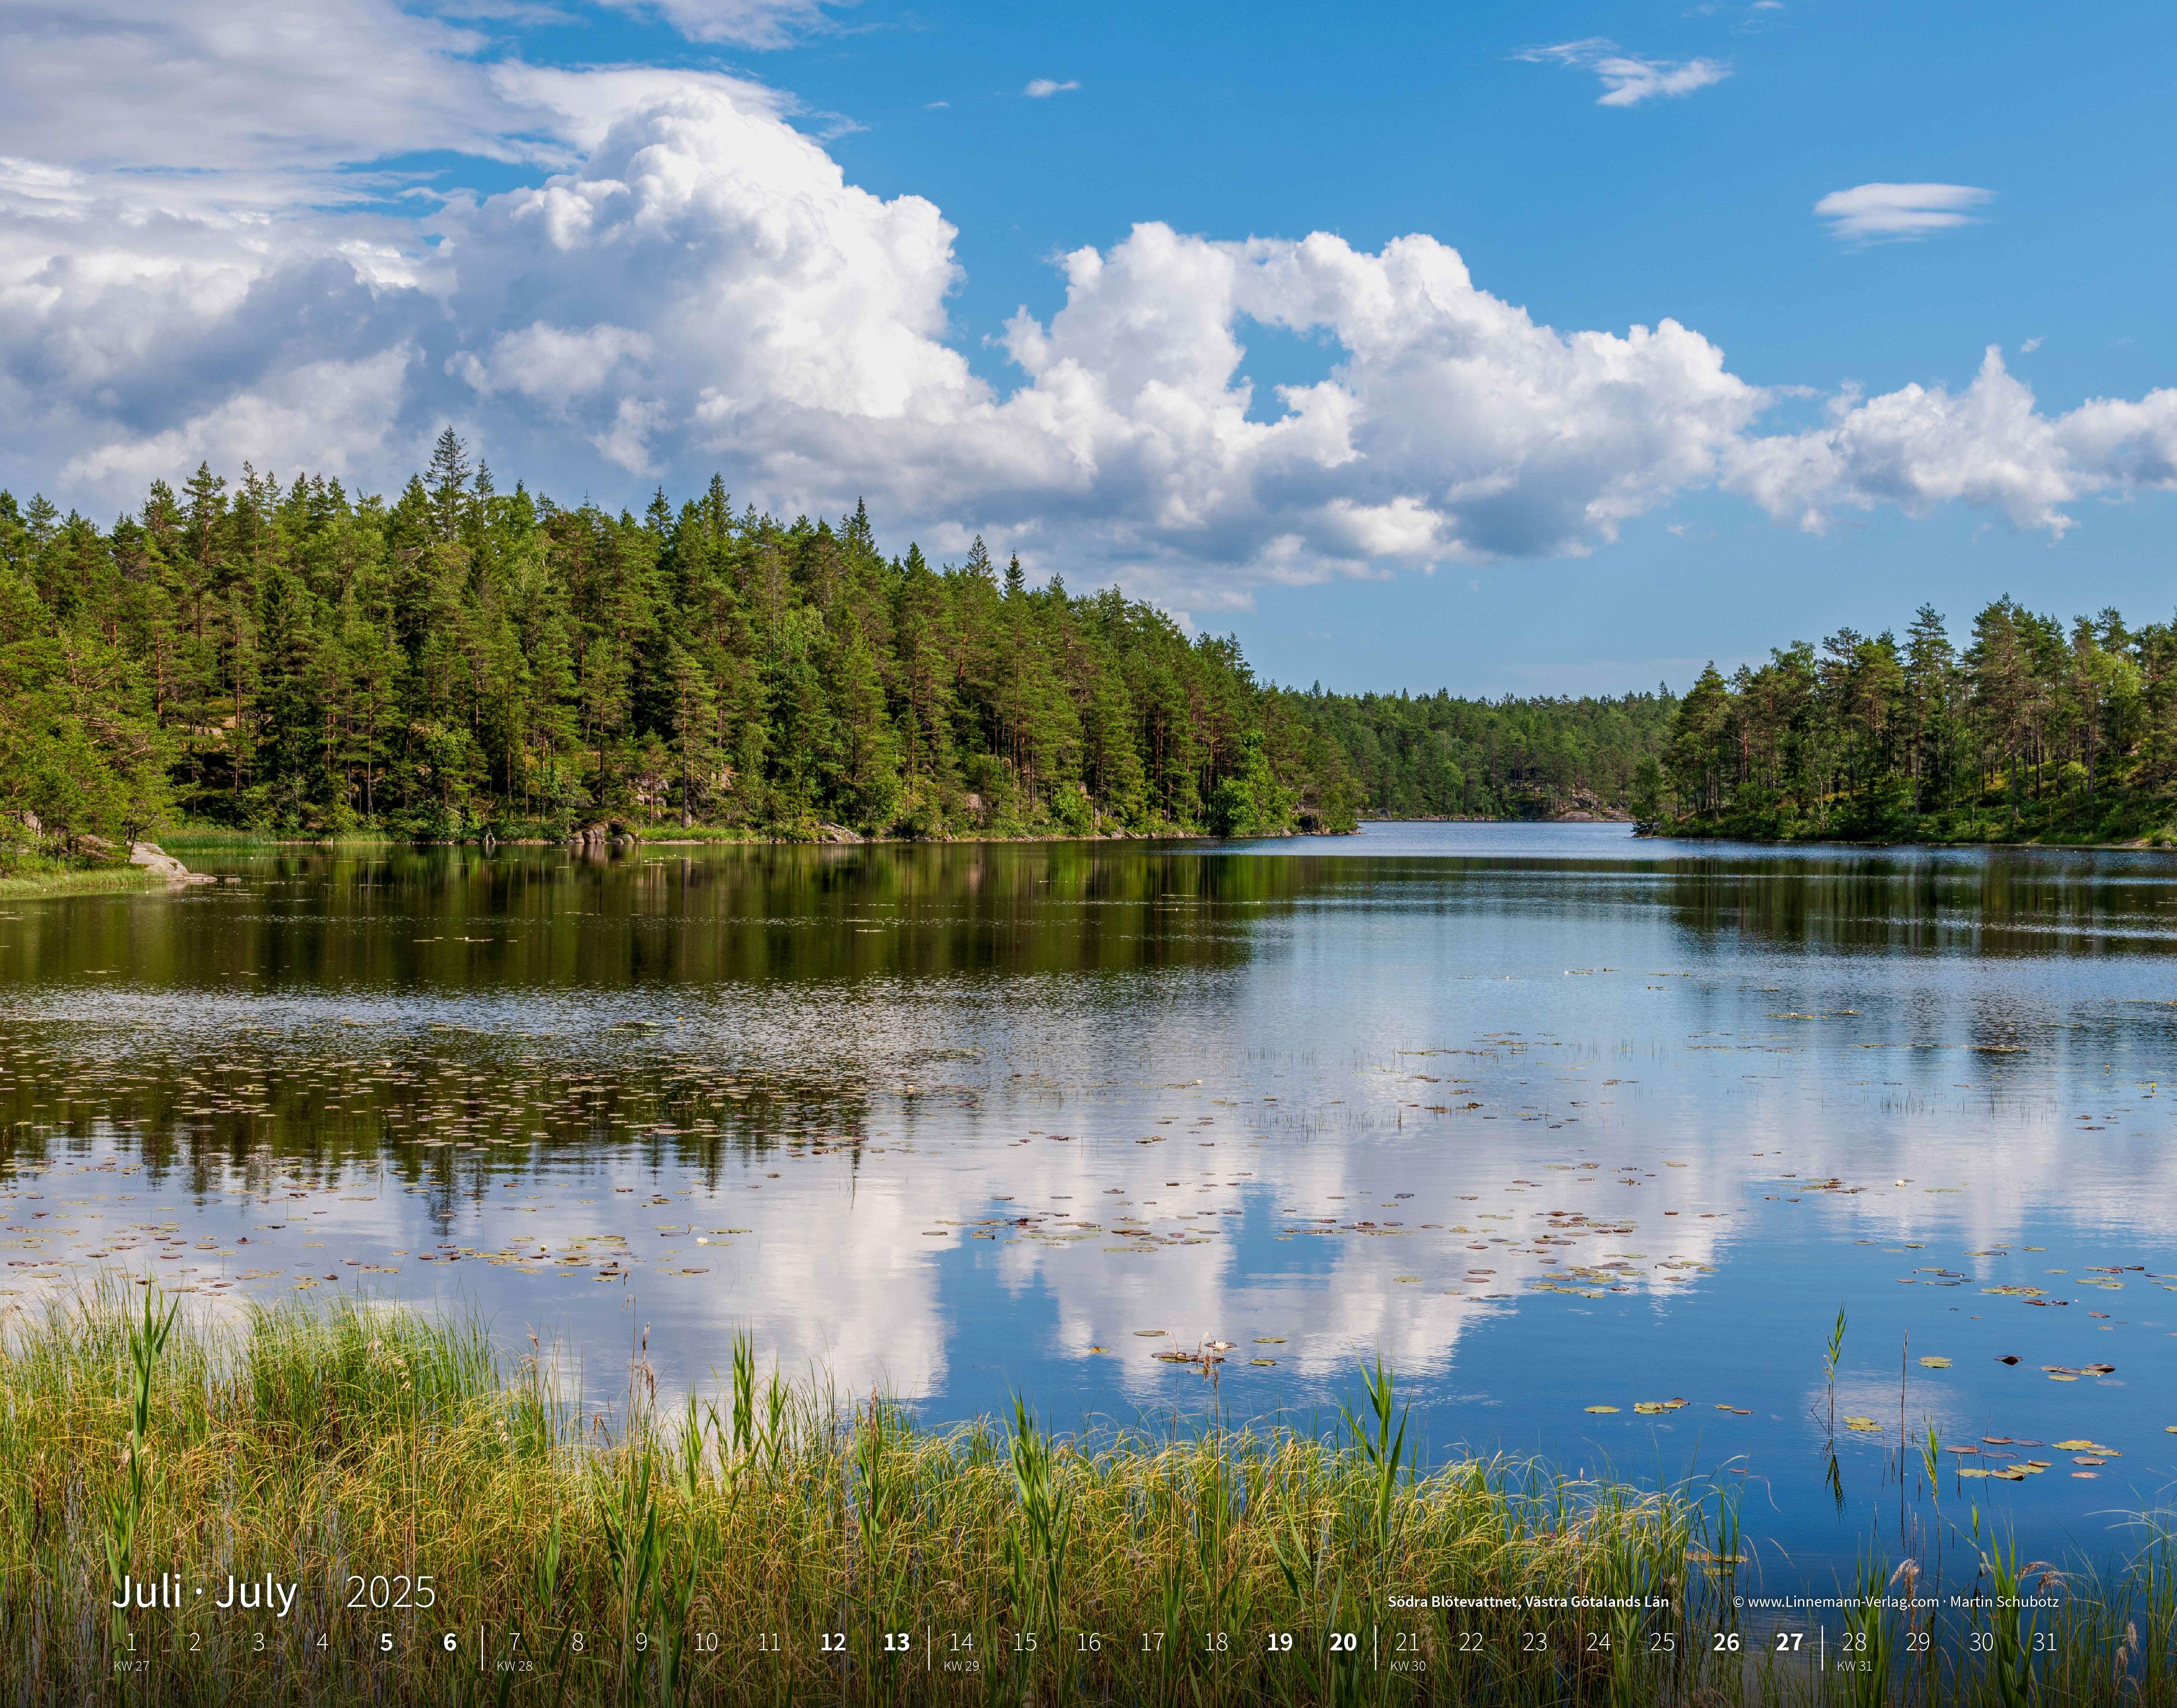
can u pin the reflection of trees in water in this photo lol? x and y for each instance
(278, 1120)
(451, 921)
(2004, 903)
(193, 1098)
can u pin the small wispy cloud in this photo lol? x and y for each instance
(2029, 346)
(1628, 80)
(1869, 213)
(1043, 88)
(932, 105)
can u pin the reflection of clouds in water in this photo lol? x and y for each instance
(838, 1271)
(845, 1285)
(856, 1282)
(1321, 1025)
(1979, 1173)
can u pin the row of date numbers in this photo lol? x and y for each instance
(902, 1645)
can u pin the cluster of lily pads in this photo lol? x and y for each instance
(2090, 1454)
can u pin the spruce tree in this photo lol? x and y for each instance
(449, 486)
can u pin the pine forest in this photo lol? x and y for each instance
(288, 659)
(2030, 730)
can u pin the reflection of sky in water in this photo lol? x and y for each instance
(1550, 1117)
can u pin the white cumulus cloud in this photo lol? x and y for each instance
(260, 92)
(687, 282)
(1042, 88)
(1869, 212)
(1988, 445)
(548, 363)
(334, 416)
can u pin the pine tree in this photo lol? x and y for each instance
(1700, 755)
(857, 531)
(1930, 671)
(449, 486)
(864, 759)
(694, 708)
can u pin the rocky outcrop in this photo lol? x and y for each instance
(600, 837)
(1581, 807)
(154, 858)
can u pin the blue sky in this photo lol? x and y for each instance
(327, 243)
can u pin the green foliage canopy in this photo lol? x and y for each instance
(2033, 729)
(288, 656)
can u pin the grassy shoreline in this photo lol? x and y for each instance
(705, 1551)
(32, 886)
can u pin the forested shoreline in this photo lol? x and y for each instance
(2032, 730)
(287, 658)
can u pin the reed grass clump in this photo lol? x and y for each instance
(772, 1543)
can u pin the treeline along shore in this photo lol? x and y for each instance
(288, 659)
(2031, 730)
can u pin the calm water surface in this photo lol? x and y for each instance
(1551, 1117)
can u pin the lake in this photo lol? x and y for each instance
(1549, 1117)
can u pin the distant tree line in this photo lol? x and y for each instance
(1434, 756)
(2031, 730)
(294, 657)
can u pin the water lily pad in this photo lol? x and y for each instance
(1601, 1408)
(1864, 1426)
(1935, 1363)
(1150, 1333)
(1264, 1363)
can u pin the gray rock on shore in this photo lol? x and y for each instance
(153, 858)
